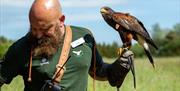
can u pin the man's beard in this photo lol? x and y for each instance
(47, 46)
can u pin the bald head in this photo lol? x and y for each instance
(45, 10)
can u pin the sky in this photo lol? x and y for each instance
(14, 22)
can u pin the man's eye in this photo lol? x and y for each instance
(34, 29)
(46, 29)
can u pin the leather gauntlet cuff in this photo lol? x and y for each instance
(117, 72)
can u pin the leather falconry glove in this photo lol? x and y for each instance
(119, 69)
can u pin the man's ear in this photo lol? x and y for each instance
(62, 19)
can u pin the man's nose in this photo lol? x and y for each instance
(39, 35)
(50, 33)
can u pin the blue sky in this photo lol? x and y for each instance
(86, 13)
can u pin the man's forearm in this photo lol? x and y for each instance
(117, 72)
(114, 73)
(100, 72)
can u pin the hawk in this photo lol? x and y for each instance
(129, 27)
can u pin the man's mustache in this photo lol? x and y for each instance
(46, 40)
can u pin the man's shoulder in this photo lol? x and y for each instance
(79, 32)
(18, 50)
(79, 29)
(20, 43)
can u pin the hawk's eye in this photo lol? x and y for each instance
(106, 9)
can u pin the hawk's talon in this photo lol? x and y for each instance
(121, 50)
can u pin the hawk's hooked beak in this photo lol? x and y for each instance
(103, 10)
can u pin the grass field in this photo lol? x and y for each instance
(166, 77)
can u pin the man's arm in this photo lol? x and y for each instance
(9, 67)
(115, 72)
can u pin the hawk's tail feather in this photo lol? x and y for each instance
(149, 56)
(152, 43)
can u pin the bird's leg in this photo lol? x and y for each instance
(121, 50)
(127, 45)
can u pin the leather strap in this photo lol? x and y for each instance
(30, 67)
(60, 68)
(62, 60)
(94, 66)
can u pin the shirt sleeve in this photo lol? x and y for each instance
(99, 70)
(9, 66)
(114, 73)
(98, 67)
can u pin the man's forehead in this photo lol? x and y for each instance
(42, 24)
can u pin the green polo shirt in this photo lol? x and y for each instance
(75, 77)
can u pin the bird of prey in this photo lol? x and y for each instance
(129, 27)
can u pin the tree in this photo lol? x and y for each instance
(176, 28)
(168, 40)
(4, 45)
(158, 34)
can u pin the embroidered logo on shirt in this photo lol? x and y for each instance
(77, 53)
(44, 61)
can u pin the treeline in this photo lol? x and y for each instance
(108, 50)
(167, 40)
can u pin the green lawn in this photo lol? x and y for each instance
(166, 77)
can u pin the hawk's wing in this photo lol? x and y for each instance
(129, 23)
(133, 25)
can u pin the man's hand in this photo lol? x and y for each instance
(119, 69)
(127, 61)
(125, 58)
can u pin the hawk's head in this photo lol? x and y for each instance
(106, 12)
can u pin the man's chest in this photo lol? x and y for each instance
(80, 60)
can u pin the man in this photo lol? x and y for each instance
(45, 40)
